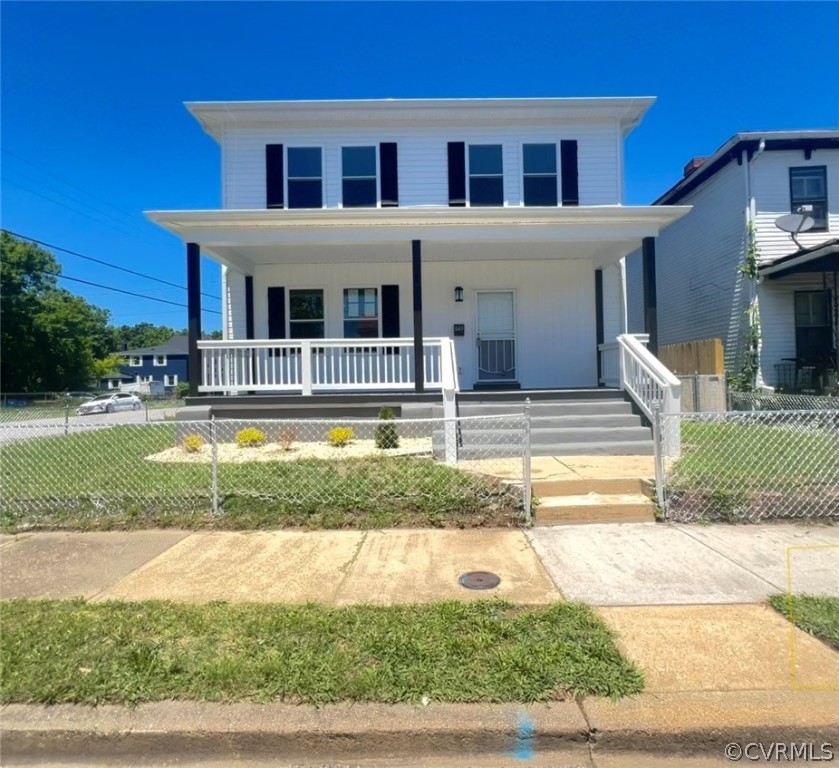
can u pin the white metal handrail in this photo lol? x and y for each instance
(650, 384)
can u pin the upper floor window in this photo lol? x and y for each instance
(159, 360)
(486, 175)
(135, 361)
(359, 184)
(808, 187)
(305, 177)
(361, 313)
(539, 176)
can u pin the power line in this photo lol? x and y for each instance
(121, 290)
(106, 263)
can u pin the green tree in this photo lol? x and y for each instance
(105, 365)
(140, 335)
(49, 337)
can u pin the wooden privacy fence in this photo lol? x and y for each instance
(704, 357)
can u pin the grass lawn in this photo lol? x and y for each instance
(100, 479)
(56, 651)
(817, 615)
(764, 456)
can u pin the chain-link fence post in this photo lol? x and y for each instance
(214, 449)
(528, 492)
(658, 455)
(66, 415)
(146, 407)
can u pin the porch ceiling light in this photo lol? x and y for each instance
(458, 294)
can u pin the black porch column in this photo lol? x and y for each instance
(419, 358)
(193, 302)
(650, 300)
(249, 306)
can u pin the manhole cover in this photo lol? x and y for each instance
(479, 580)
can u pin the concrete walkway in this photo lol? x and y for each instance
(657, 564)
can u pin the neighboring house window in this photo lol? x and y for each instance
(539, 177)
(305, 314)
(486, 175)
(159, 360)
(135, 361)
(170, 380)
(361, 313)
(813, 331)
(113, 383)
(305, 177)
(808, 186)
(359, 185)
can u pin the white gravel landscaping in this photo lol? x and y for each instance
(230, 453)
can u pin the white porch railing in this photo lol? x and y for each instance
(320, 365)
(650, 384)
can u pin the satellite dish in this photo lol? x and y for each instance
(795, 223)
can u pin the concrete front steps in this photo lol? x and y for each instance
(602, 500)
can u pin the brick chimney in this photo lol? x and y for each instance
(694, 164)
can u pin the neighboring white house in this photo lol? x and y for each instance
(700, 290)
(488, 233)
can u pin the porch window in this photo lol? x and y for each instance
(359, 186)
(486, 175)
(539, 163)
(361, 313)
(808, 186)
(813, 331)
(305, 313)
(305, 177)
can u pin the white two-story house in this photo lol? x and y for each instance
(400, 244)
(699, 288)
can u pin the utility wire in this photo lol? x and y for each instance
(106, 263)
(120, 290)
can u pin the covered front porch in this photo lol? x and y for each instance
(389, 300)
(800, 320)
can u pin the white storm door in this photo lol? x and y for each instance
(496, 336)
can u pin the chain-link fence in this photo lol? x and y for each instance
(750, 466)
(267, 473)
(48, 409)
(771, 401)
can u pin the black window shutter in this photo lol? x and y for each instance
(274, 181)
(276, 313)
(390, 311)
(457, 174)
(389, 168)
(570, 180)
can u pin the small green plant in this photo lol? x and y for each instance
(250, 437)
(729, 506)
(338, 437)
(193, 443)
(286, 438)
(386, 433)
(182, 389)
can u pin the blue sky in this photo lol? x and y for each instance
(94, 132)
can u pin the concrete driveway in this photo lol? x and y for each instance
(662, 564)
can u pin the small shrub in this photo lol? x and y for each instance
(250, 437)
(386, 433)
(193, 443)
(182, 389)
(338, 437)
(286, 439)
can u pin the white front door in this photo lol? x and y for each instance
(496, 336)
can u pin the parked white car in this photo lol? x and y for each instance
(108, 403)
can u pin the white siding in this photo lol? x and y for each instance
(770, 188)
(555, 318)
(777, 319)
(701, 294)
(612, 303)
(422, 157)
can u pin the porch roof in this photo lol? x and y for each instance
(818, 258)
(239, 238)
